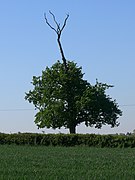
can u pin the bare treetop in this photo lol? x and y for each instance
(58, 31)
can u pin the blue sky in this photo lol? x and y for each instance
(99, 36)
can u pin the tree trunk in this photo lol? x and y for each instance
(72, 129)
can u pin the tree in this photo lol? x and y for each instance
(64, 99)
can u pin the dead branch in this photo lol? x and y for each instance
(49, 23)
(58, 31)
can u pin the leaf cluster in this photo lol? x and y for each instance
(66, 99)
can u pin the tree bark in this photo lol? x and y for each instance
(72, 129)
(62, 53)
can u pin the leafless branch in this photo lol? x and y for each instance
(58, 31)
(49, 23)
(58, 25)
(64, 23)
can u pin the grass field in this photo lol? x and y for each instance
(61, 163)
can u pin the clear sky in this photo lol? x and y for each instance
(99, 36)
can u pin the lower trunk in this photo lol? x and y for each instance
(72, 129)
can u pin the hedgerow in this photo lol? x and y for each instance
(91, 140)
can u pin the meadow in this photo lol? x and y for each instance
(66, 163)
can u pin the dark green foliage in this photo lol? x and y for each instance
(91, 140)
(66, 99)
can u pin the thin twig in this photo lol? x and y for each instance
(64, 23)
(58, 25)
(49, 23)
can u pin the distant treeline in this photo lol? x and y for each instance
(91, 140)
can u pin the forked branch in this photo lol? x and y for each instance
(58, 31)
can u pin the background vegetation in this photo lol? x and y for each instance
(67, 140)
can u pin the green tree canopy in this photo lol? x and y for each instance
(65, 99)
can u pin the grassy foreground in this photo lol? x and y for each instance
(62, 163)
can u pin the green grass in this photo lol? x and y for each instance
(66, 163)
